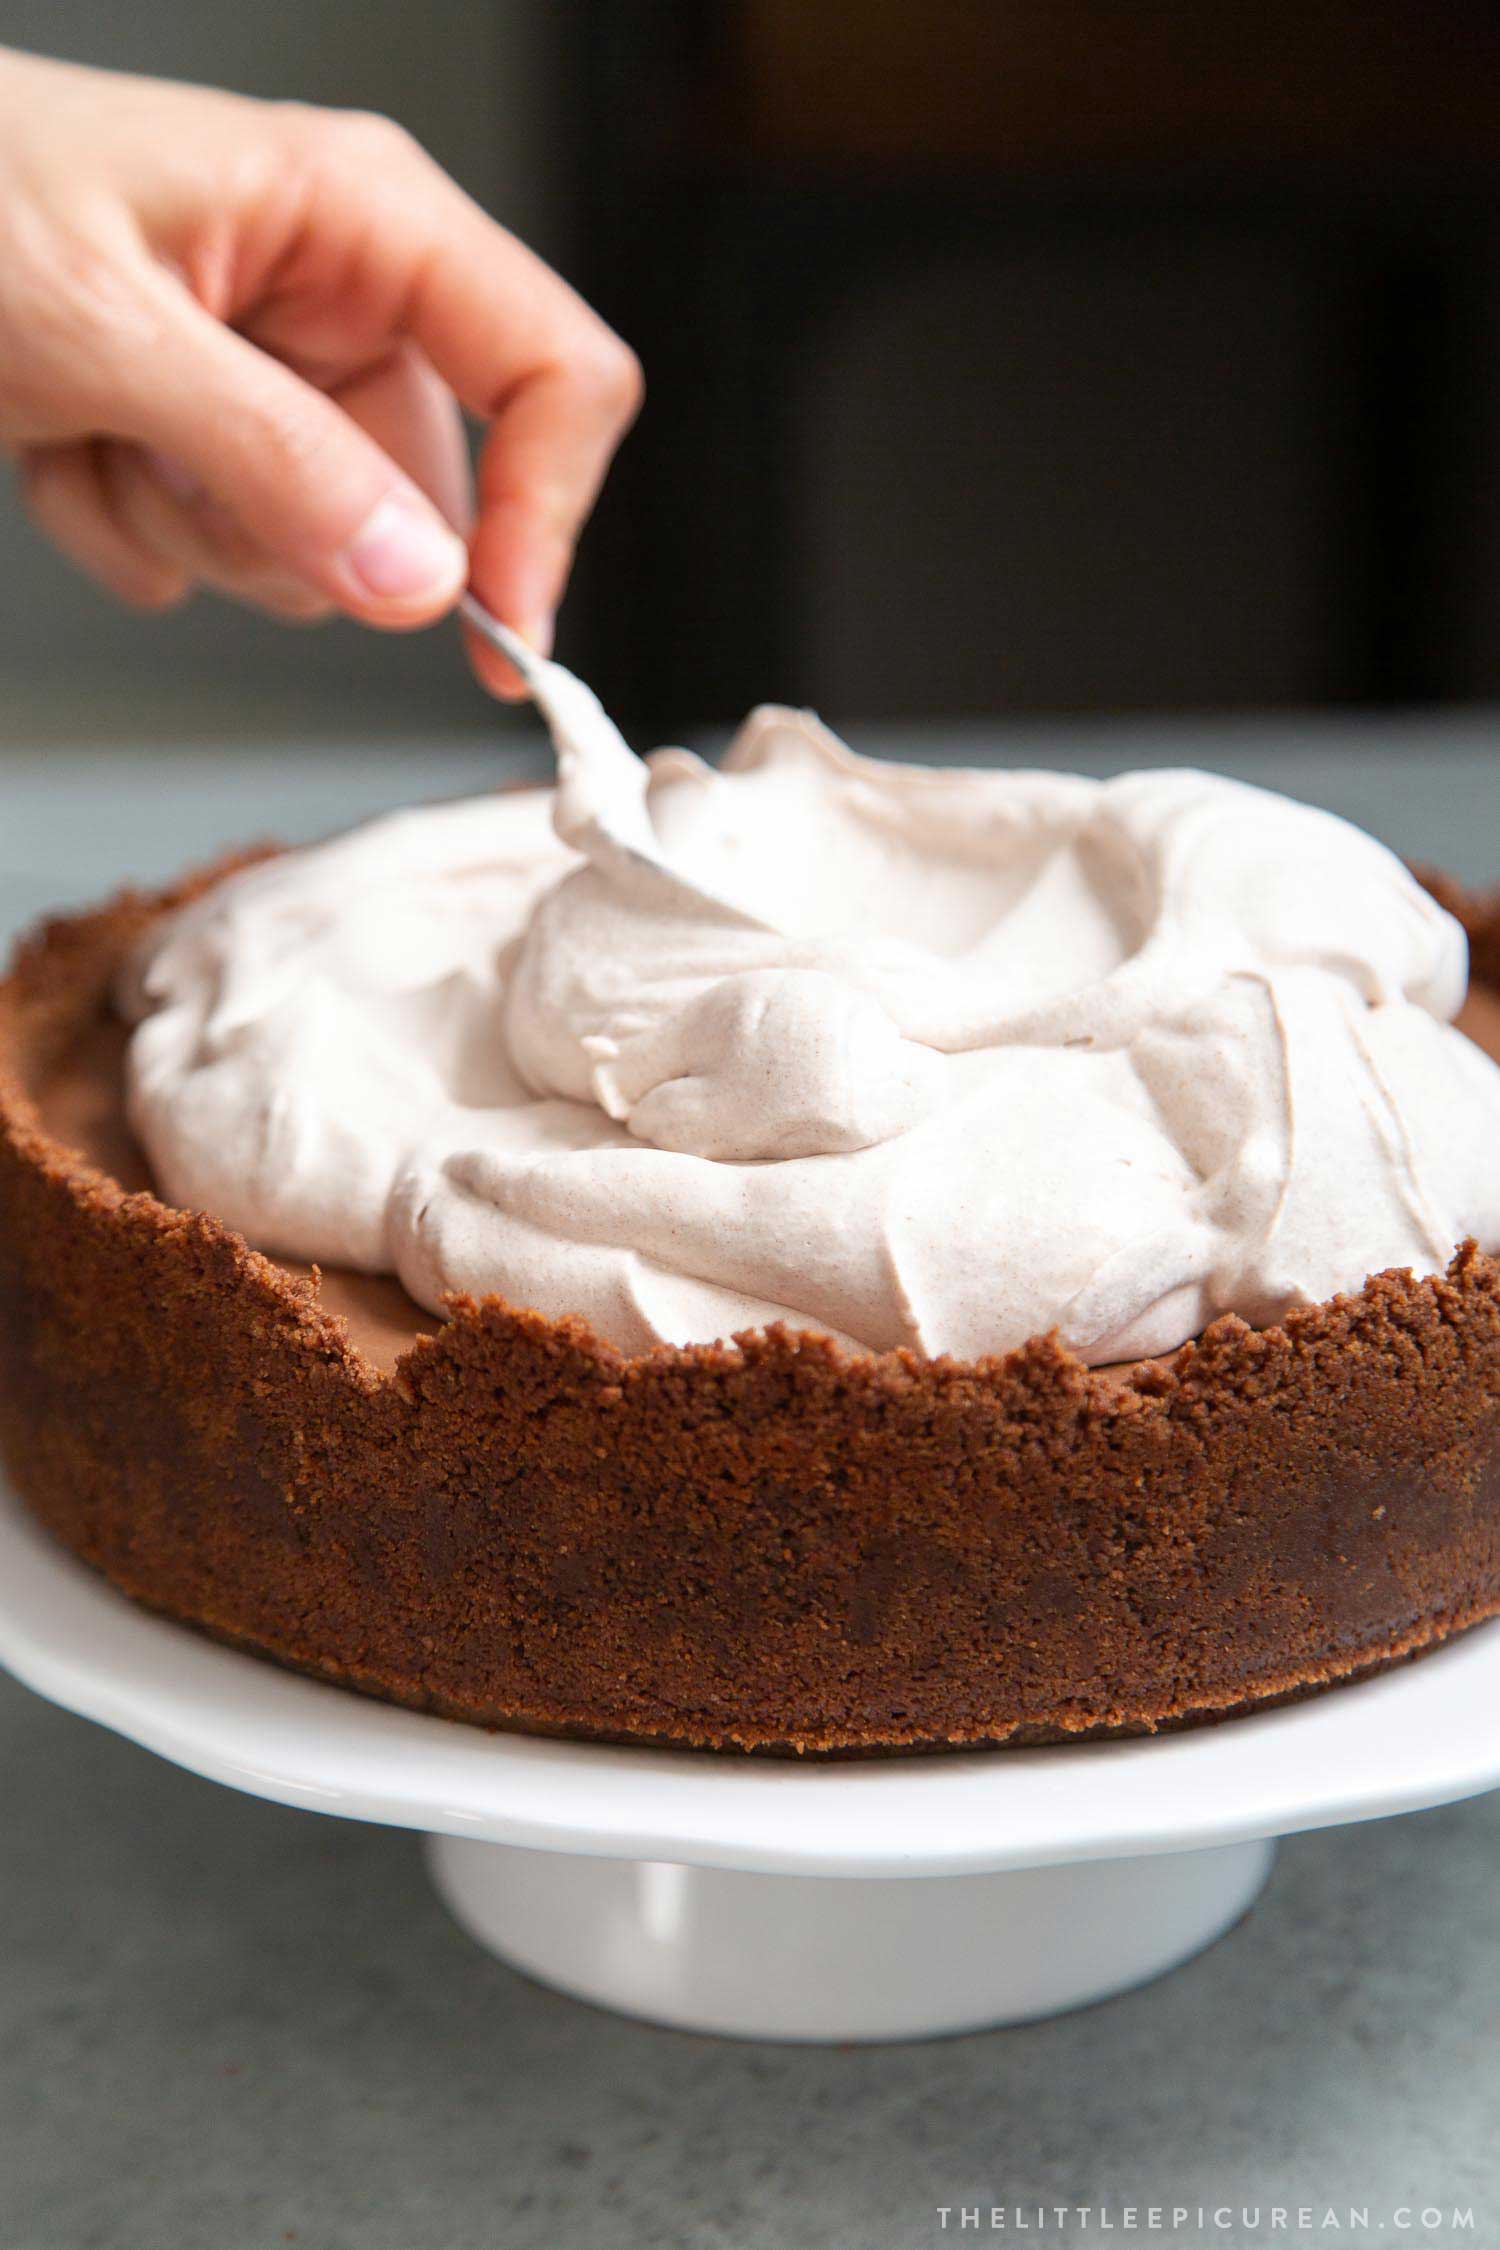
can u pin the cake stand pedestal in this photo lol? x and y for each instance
(880, 1899)
(858, 1957)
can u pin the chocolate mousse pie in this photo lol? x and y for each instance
(818, 1255)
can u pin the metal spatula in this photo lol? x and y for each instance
(503, 637)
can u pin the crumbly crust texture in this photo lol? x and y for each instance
(770, 1545)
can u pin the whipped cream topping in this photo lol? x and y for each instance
(941, 1059)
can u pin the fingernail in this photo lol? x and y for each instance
(401, 552)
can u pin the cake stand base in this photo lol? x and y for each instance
(754, 1956)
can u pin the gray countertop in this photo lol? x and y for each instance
(227, 2024)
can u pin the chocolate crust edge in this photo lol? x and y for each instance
(770, 1545)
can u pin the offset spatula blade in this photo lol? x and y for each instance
(510, 644)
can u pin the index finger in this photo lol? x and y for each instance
(525, 353)
(539, 474)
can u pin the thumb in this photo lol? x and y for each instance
(299, 477)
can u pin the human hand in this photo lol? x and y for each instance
(235, 337)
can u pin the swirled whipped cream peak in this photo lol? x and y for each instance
(935, 1059)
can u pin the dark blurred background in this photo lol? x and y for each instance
(1005, 356)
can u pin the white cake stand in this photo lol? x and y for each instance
(765, 1898)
